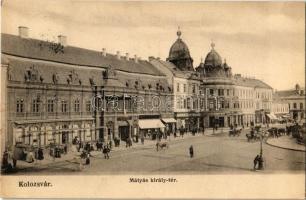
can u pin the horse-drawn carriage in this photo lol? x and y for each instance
(162, 145)
(253, 137)
(235, 132)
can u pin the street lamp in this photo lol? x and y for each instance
(261, 161)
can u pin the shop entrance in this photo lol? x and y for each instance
(221, 121)
(65, 135)
(124, 132)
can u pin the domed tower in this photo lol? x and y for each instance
(179, 54)
(212, 66)
(213, 59)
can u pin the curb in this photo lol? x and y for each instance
(284, 147)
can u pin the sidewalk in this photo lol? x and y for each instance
(286, 142)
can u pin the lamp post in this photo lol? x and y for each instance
(261, 161)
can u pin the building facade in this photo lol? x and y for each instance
(186, 85)
(56, 92)
(295, 99)
(231, 99)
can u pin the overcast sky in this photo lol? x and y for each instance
(265, 40)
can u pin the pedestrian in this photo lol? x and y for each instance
(65, 148)
(110, 144)
(105, 152)
(191, 151)
(142, 140)
(40, 154)
(256, 160)
(260, 163)
(87, 162)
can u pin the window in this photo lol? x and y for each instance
(77, 105)
(88, 106)
(178, 87)
(19, 105)
(211, 91)
(188, 103)
(211, 104)
(50, 106)
(294, 105)
(301, 106)
(222, 104)
(227, 92)
(221, 92)
(184, 87)
(64, 106)
(185, 103)
(193, 89)
(35, 106)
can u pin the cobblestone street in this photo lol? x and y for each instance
(213, 154)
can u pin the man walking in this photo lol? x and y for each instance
(191, 151)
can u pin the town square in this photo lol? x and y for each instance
(152, 92)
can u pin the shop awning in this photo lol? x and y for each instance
(123, 123)
(272, 116)
(150, 123)
(169, 120)
(286, 116)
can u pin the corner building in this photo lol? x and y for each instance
(55, 92)
(185, 81)
(231, 99)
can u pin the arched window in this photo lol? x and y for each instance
(294, 105)
(77, 105)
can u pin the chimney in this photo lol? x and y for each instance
(103, 51)
(127, 56)
(118, 55)
(62, 39)
(23, 31)
(151, 58)
(136, 59)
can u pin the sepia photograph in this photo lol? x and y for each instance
(151, 91)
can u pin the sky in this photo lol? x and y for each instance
(265, 40)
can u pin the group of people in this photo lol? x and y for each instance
(9, 159)
(258, 162)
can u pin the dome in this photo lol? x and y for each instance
(213, 58)
(179, 49)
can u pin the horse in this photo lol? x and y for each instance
(235, 132)
(162, 145)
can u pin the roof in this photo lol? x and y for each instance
(179, 50)
(249, 82)
(287, 93)
(213, 59)
(176, 71)
(38, 49)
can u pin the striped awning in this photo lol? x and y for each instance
(272, 116)
(150, 123)
(169, 120)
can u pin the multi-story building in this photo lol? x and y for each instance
(185, 82)
(295, 98)
(280, 109)
(232, 99)
(55, 92)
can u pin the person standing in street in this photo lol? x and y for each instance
(256, 160)
(191, 151)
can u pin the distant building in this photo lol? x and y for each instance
(295, 98)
